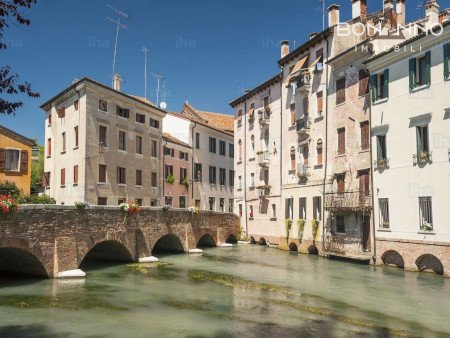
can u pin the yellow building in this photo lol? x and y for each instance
(15, 159)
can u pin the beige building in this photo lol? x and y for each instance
(102, 146)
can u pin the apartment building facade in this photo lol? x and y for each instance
(410, 150)
(211, 137)
(102, 146)
(258, 160)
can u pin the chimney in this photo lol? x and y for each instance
(388, 5)
(117, 82)
(431, 13)
(313, 35)
(401, 12)
(333, 15)
(359, 8)
(284, 48)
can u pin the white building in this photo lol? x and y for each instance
(258, 160)
(410, 150)
(211, 137)
(102, 146)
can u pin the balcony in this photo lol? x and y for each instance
(304, 81)
(263, 158)
(302, 170)
(264, 117)
(303, 125)
(239, 121)
(382, 163)
(350, 201)
(263, 189)
(423, 157)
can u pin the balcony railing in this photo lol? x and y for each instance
(302, 170)
(304, 81)
(423, 157)
(303, 125)
(263, 158)
(348, 201)
(263, 193)
(264, 117)
(382, 163)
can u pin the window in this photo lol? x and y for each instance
(293, 114)
(420, 71)
(340, 180)
(46, 182)
(305, 102)
(212, 175)
(240, 112)
(320, 104)
(212, 145)
(121, 175)
(138, 144)
(230, 205)
(381, 147)
(251, 215)
(154, 180)
(139, 177)
(317, 208)
(364, 183)
(63, 177)
(222, 204)
(138, 201)
(340, 224)
(223, 176)
(102, 105)
(447, 61)
(198, 172)
(240, 150)
(75, 174)
(49, 147)
(168, 171)
(380, 85)
(102, 201)
(63, 141)
(140, 118)
(154, 123)
(153, 203)
(75, 131)
(122, 140)
(11, 159)
(222, 148)
(302, 207)
(240, 210)
(168, 200)
(266, 103)
(292, 153)
(212, 203)
(425, 214)
(197, 140)
(102, 173)
(102, 136)
(363, 82)
(183, 174)
(182, 202)
(252, 180)
(231, 177)
(49, 119)
(231, 150)
(340, 91)
(61, 112)
(319, 64)
(289, 212)
(154, 149)
(341, 141)
(422, 140)
(122, 112)
(274, 211)
(240, 182)
(383, 204)
(319, 149)
(75, 104)
(305, 152)
(169, 152)
(365, 135)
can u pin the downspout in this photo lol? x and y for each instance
(281, 138)
(245, 169)
(163, 183)
(193, 163)
(326, 147)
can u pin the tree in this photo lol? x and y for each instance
(37, 171)
(11, 12)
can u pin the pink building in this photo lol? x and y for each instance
(176, 166)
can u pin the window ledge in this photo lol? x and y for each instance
(49, 156)
(122, 185)
(384, 230)
(363, 96)
(62, 186)
(340, 104)
(362, 151)
(340, 155)
(272, 219)
(102, 183)
(379, 101)
(122, 151)
(139, 155)
(251, 159)
(422, 232)
(63, 152)
(75, 148)
(419, 88)
(139, 186)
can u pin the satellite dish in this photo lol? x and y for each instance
(163, 105)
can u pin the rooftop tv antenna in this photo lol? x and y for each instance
(120, 15)
(145, 50)
(158, 77)
(324, 5)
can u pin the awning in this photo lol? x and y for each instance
(251, 111)
(262, 185)
(314, 63)
(299, 65)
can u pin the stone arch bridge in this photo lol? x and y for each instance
(45, 240)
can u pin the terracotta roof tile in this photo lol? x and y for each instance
(175, 140)
(222, 122)
(16, 136)
(143, 99)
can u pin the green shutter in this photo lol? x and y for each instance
(419, 141)
(373, 87)
(386, 82)
(379, 148)
(446, 60)
(412, 73)
(428, 68)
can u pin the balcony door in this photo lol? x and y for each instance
(366, 233)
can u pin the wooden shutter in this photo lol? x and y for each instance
(373, 87)
(292, 113)
(2, 159)
(305, 106)
(446, 60)
(363, 82)
(319, 102)
(340, 91)
(341, 183)
(319, 154)
(46, 179)
(102, 135)
(75, 174)
(412, 73)
(386, 83)
(428, 68)
(341, 141)
(305, 154)
(63, 176)
(365, 135)
(24, 161)
(419, 141)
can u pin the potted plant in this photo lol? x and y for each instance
(185, 182)
(170, 179)
(315, 227)
(288, 225)
(81, 205)
(130, 208)
(8, 205)
(301, 228)
(251, 118)
(426, 226)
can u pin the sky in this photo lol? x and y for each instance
(209, 51)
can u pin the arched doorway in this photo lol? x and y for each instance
(19, 262)
(293, 247)
(252, 240)
(312, 250)
(392, 257)
(431, 263)
(231, 239)
(206, 241)
(168, 243)
(262, 241)
(107, 251)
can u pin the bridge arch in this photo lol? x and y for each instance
(252, 240)
(108, 251)
(206, 241)
(22, 262)
(312, 250)
(392, 257)
(293, 247)
(168, 243)
(262, 241)
(231, 239)
(430, 262)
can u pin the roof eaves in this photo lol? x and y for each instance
(274, 79)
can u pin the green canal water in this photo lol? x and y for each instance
(244, 291)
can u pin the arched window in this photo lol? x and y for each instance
(319, 152)
(240, 149)
(292, 158)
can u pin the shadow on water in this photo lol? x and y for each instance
(35, 330)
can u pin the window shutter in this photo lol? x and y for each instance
(46, 179)
(63, 176)
(373, 87)
(363, 82)
(2, 159)
(428, 68)
(379, 149)
(419, 141)
(24, 161)
(386, 82)
(446, 60)
(412, 73)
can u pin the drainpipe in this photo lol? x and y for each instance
(281, 139)
(163, 172)
(193, 163)
(326, 148)
(244, 118)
